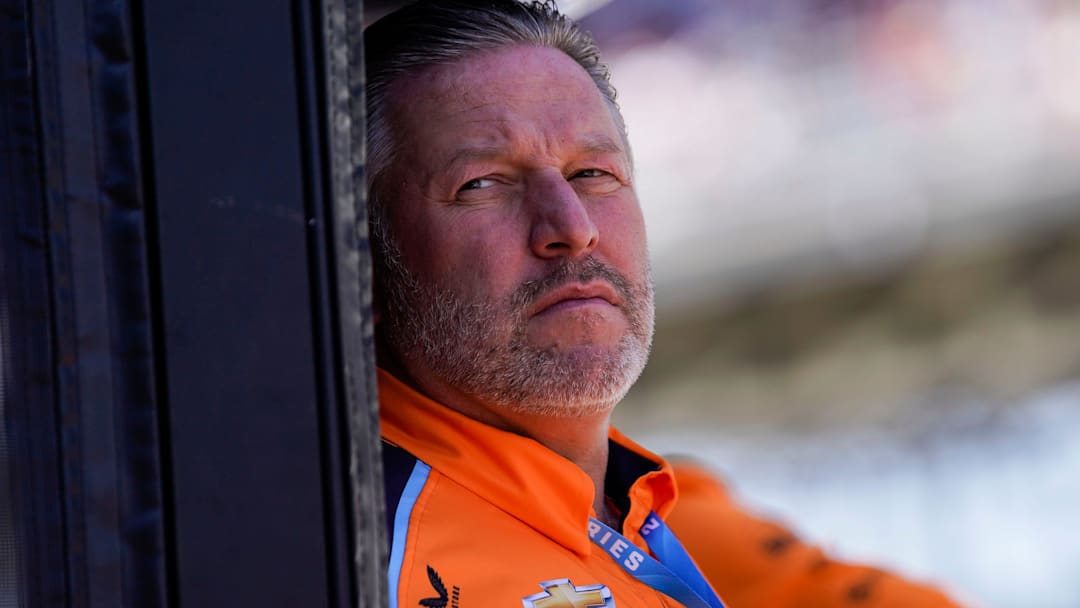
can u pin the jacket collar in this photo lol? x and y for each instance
(520, 475)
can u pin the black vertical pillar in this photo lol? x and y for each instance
(343, 88)
(186, 380)
(83, 407)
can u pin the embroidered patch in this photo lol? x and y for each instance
(441, 600)
(561, 593)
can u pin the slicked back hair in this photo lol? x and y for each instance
(434, 32)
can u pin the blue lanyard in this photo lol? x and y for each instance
(674, 575)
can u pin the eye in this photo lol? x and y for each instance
(590, 173)
(477, 184)
(595, 181)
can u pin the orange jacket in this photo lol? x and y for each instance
(485, 518)
(480, 517)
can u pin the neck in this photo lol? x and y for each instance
(582, 440)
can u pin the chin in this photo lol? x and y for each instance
(573, 383)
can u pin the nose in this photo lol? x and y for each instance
(561, 224)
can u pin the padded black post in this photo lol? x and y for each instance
(188, 381)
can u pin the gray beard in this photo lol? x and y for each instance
(480, 348)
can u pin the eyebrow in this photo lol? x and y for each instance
(589, 143)
(601, 144)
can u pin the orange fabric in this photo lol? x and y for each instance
(752, 562)
(500, 514)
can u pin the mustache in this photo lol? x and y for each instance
(572, 271)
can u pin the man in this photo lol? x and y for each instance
(514, 310)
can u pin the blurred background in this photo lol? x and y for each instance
(865, 227)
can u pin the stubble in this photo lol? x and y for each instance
(480, 347)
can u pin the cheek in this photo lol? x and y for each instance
(622, 237)
(475, 257)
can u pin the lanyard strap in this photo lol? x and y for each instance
(674, 574)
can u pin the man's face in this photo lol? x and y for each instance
(517, 276)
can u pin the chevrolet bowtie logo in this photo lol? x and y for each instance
(561, 593)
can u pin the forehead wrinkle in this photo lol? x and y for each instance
(499, 104)
(504, 122)
(513, 139)
(490, 126)
(600, 143)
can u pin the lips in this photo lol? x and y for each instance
(576, 294)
